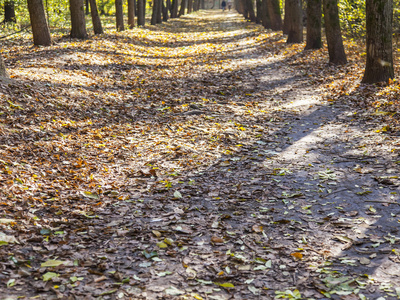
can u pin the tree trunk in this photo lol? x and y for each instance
(40, 28)
(314, 15)
(295, 23)
(78, 24)
(87, 7)
(250, 10)
(287, 18)
(203, 4)
(9, 12)
(259, 12)
(333, 34)
(195, 5)
(141, 12)
(3, 71)
(97, 28)
(190, 6)
(174, 9)
(160, 5)
(165, 9)
(183, 7)
(119, 15)
(265, 21)
(274, 11)
(379, 66)
(153, 20)
(240, 7)
(131, 13)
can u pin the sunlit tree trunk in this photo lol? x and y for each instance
(141, 12)
(295, 23)
(9, 12)
(333, 34)
(119, 14)
(78, 24)
(3, 72)
(40, 28)
(379, 66)
(97, 28)
(274, 11)
(314, 15)
(190, 6)
(183, 7)
(131, 13)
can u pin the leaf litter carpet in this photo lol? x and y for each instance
(199, 159)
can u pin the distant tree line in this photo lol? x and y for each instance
(358, 18)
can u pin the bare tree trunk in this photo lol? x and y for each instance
(153, 20)
(165, 9)
(314, 15)
(333, 34)
(40, 28)
(174, 9)
(78, 24)
(9, 12)
(131, 13)
(379, 65)
(295, 23)
(265, 16)
(3, 71)
(190, 6)
(119, 15)
(183, 7)
(97, 28)
(258, 11)
(287, 18)
(249, 7)
(274, 11)
(141, 12)
(159, 11)
(86, 7)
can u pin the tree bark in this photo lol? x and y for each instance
(295, 23)
(40, 28)
(131, 13)
(266, 20)
(3, 71)
(333, 34)
(259, 12)
(97, 28)
(183, 7)
(153, 20)
(174, 9)
(9, 12)
(287, 18)
(119, 15)
(274, 10)
(86, 7)
(141, 12)
(314, 15)
(190, 6)
(249, 10)
(165, 9)
(379, 65)
(159, 11)
(78, 24)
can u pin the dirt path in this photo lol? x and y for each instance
(192, 160)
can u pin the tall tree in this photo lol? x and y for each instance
(165, 9)
(287, 18)
(9, 12)
(141, 7)
(314, 15)
(333, 33)
(259, 12)
(78, 24)
(379, 65)
(40, 28)
(153, 20)
(131, 13)
(159, 11)
(97, 28)
(3, 71)
(249, 10)
(295, 23)
(274, 11)
(183, 7)
(119, 14)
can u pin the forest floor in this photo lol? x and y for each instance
(203, 158)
